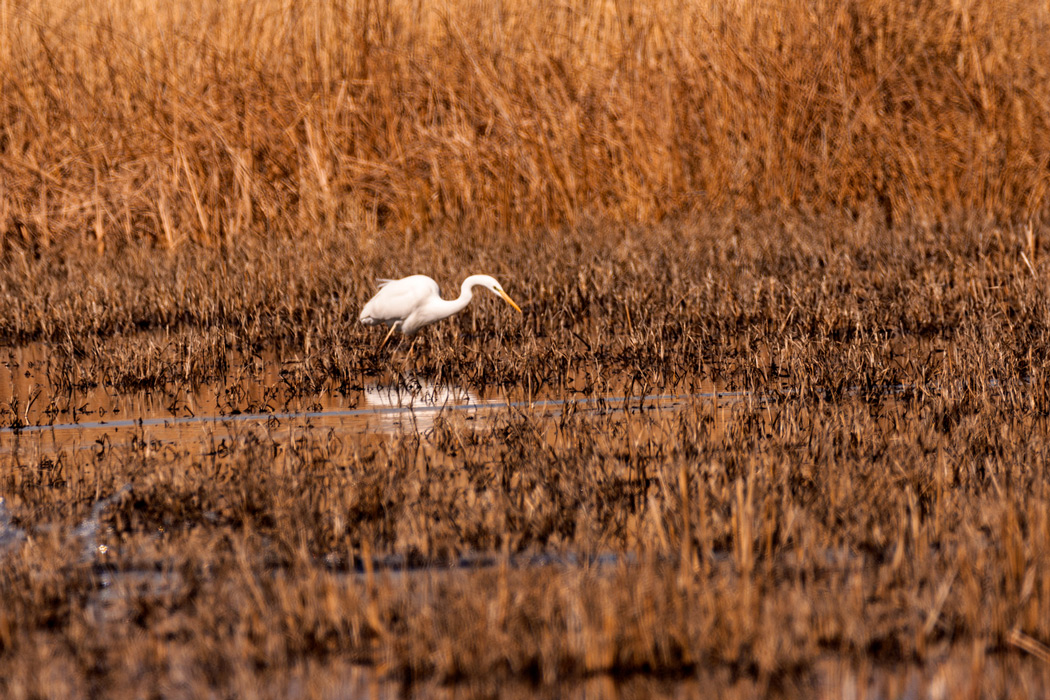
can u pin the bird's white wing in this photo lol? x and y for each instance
(397, 299)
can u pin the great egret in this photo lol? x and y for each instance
(410, 303)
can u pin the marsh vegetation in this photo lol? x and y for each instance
(774, 420)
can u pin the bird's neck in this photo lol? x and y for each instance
(466, 290)
(448, 307)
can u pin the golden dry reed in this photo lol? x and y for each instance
(175, 120)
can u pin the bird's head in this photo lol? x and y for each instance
(492, 285)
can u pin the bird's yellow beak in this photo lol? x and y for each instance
(509, 301)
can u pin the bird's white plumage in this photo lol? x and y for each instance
(398, 300)
(412, 302)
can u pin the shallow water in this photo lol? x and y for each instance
(38, 419)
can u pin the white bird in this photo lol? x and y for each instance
(410, 303)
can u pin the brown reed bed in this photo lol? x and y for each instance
(218, 121)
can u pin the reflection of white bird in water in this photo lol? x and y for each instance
(412, 404)
(410, 303)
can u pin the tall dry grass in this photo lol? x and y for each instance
(175, 120)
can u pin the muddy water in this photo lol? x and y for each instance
(36, 418)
